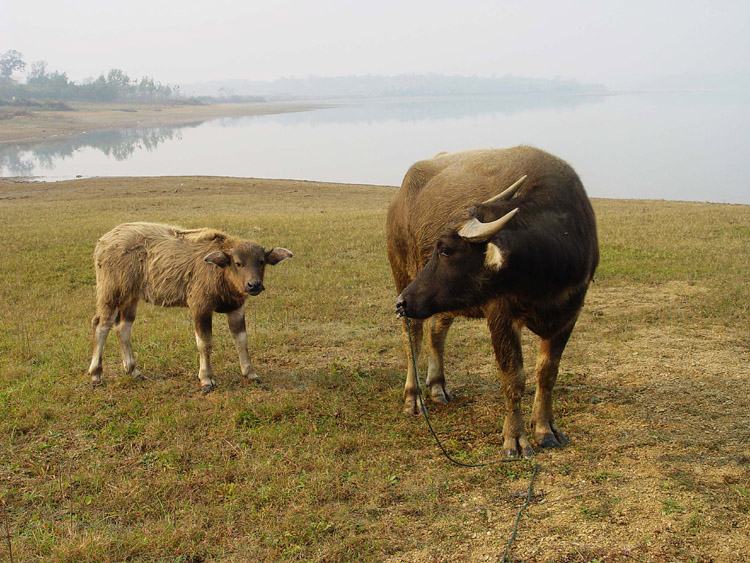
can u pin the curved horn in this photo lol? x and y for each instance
(476, 231)
(508, 193)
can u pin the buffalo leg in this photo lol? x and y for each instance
(103, 321)
(123, 329)
(236, 320)
(506, 341)
(437, 331)
(204, 341)
(411, 402)
(546, 432)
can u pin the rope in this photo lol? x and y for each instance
(423, 408)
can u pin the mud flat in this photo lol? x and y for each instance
(20, 126)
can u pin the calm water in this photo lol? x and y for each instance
(686, 146)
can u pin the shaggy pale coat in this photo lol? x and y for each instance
(203, 269)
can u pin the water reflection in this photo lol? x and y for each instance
(415, 110)
(118, 144)
(639, 145)
(121, 144)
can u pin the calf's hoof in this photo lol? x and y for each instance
(208, 387)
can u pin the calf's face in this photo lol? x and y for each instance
(245, 265)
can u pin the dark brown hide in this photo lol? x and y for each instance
(533, 272)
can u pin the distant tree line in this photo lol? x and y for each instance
(115, 86)
(402, 85)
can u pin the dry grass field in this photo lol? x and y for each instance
(318, 463)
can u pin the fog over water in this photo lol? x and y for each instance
(677, 146)
(621, 44)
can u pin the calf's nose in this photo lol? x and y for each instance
(255, 286)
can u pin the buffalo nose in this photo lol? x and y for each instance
(255, 286)
(400, 303)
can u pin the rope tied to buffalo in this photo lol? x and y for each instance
(423, 409)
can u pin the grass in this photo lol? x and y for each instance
(318, 464)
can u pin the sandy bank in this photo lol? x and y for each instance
(34, 126)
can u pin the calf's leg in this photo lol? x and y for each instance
(236, 320)
(204, 341)
(102, 323)
(123, 329)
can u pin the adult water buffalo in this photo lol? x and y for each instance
(523, 257)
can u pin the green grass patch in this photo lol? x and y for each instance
(317, 463)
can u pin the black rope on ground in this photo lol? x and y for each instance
(423, 408)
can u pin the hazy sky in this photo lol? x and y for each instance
(615, 42)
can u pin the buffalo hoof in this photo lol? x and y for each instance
(439, 394)
(208, 388)
(548, 441)
(413, 406)
(519, 447)
(554, 438)
(411, 410)
(136, 374)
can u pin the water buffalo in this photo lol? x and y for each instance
(203, 269)
(524, 257)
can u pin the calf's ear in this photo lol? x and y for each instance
(276, 255)
(221, 259)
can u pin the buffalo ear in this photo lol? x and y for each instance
(276, 255)
(494, 259)
(221, 259)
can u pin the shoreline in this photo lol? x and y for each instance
(35, 126)
(25, 188)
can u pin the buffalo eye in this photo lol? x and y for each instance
(445, 251)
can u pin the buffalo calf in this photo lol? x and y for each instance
(203, 269)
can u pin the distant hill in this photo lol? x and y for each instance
(375, 86)
(693, 82)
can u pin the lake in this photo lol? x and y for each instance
(676, 146)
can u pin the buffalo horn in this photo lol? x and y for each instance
(508, 193)
(476, 231)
